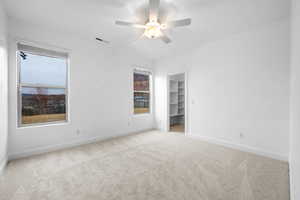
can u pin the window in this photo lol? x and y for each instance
(42, 85)
(142, 94)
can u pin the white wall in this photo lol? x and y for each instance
(239, 84)
(295, 103)
(3, 88)
(101, 96)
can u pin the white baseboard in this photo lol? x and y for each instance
(74, 143)
(241, 147)
(3, 163)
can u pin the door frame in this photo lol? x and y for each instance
(186, 109)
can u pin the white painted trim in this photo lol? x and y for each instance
(75, 143)
(19, 84)
(186, 105)
(292, 183)
(137, 69)
(4, 99)
(3, 163)
(40, 44)
(241, 147)
(18, 40)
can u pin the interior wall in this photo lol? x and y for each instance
(238, 89)
(3, 88)
(101, 92)
(295, 103)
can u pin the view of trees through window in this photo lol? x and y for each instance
(42, 88)
(141, 93)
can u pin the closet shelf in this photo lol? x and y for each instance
(176, 115)
(177, 94)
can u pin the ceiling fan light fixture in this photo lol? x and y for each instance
(153, 30)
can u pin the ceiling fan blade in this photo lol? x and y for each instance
(153, 10)
(122, 23)
(165, 39)
(179, 23)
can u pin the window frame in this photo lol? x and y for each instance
(20, 85)
(150, 74)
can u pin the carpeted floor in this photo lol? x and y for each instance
(146, 166)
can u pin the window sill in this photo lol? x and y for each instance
(142, 115)
(42, 125)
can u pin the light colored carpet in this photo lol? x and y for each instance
(147, 166)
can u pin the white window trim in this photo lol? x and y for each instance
(20, 85)
(150, 73)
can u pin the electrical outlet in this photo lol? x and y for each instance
(241, 135)
(78, 132)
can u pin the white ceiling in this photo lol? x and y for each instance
(212, 19)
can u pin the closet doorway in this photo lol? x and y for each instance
(177, 103)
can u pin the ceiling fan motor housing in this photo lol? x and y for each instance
(153, 30)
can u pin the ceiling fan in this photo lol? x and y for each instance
(154, 28)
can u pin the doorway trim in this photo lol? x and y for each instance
(186, 108)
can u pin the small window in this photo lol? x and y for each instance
(42, 86)
(142, 94)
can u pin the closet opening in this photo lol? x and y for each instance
(177, 103)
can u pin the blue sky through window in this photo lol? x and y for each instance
(43, 70)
